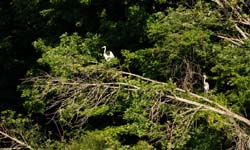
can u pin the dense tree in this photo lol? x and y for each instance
(149, 97)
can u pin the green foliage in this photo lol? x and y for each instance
(103, 140)
(205, 138)
(68, 57)
(21, 128)
(93, 141)
(182, 42)
(89, 103)
(232, 74)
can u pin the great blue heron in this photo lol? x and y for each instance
(206, 85)
(106, 56)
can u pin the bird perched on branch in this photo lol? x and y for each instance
(106, 56)
(206, 85)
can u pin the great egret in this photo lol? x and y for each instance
(206, 85)
(106, 56)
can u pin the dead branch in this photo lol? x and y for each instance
(21, 144)
(97, 97)
(223, 110)
(219, 3)
(238, 18)
(241, 32)
(235, 41)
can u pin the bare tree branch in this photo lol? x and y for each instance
(238, 18)
(219, 3)
(99, 93)
(241, 32)
(223, 110)
(22, 144)
(232, 40)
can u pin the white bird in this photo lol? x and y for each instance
(206, 85)
(106, 56)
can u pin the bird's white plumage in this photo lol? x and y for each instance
(206, 85)
(106, 56)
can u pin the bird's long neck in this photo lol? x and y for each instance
(204, 79)
(104, 49)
